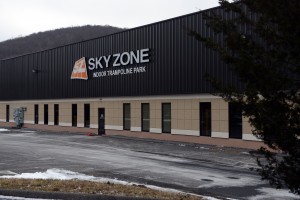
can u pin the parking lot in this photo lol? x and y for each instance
(202, 169)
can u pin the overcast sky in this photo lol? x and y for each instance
(23, 17)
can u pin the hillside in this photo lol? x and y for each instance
(53, 38)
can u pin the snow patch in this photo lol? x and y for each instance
(51, 174)
(204, 148)
(271, 194)
(61, 174)
(3, 129)
(7, 172)
(28, 131)
(246, 153)
(209, 198)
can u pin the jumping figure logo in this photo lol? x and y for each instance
(79, 70)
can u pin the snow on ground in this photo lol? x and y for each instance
(17, 198)
(28, 131)
(7, 172)
(52, 174)
(3, 129)
(61, 174)
(269, 193)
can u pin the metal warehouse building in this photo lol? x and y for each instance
(146, 79)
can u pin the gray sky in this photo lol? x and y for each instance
(23, 17)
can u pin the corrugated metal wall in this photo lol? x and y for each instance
(177, 65)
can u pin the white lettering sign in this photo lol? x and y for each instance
(120, 59)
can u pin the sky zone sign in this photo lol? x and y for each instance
(115, 61)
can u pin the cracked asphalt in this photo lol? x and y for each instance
(201, 169)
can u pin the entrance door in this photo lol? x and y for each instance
(45, 113)
(205, 119)
(7, 113)
(36, 113)
(56, 114)
(101, 121)
(235, 121)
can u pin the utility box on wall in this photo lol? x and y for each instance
(19, 116)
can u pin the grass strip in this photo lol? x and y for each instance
(90, 187)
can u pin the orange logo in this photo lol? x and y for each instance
(79, 70)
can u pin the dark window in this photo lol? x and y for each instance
(56, 114)
(45, 113)
(235, 121)
(86, 115)
(205, 119)
(7, 113)
(145, 117)
(166, 117)
(36, 113)
(74, 114)
(126, 116)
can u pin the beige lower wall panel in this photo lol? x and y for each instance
(180, 104)
(185, 115)
(65, 124)
(247, 129)
(215, 126)
(188, 114)
(180, 124)
(184, 132)
(93, 125)
(220, 134)
(94, 120)
(187, 104)
(250, 137)
(223, 115)
(174, 114)
(187, 124)
(155, 130)
(224, 126)
(135, 122)
(215, 115)
(195, 125)
(195, 114)
(113, 127)
(118, 121)
(215, 104)
(138, 129)
(181, 114)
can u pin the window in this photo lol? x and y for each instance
(126, 116)
(87, 115)
(235, 121)
(166, 117)
(74, 114)
(205, 119)
(7, 113)
(145, 117)
(56, 114)
(45, 113)
(36, 113)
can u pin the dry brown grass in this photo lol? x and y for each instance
(89, 187)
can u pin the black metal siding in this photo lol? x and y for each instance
(177, 65)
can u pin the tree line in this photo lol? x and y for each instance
(53, 38)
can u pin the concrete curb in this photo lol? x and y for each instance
(62, 195)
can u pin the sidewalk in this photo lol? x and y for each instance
(146, 135)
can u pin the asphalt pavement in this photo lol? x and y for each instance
(219, 172)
